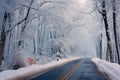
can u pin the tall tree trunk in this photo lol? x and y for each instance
(3, 37)
(101, 46)
(104, 15)
(115, 28)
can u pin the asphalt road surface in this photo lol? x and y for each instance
(81, 69)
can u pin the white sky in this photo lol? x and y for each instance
(83, 2)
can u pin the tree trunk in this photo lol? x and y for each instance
(3, 38)
(115, 28)
(109, 46)
(101, 46)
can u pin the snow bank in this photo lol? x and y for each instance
(111, 69)
(27, 72)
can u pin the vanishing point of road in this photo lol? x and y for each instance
(81, 69)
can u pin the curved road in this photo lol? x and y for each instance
(81, 69)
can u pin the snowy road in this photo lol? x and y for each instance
(82, 69)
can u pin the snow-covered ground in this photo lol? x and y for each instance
(111, 69)
(26, 72)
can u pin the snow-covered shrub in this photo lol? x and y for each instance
(63, 46)
(22, 58)
(43, 57)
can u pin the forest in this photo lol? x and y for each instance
(40, 31)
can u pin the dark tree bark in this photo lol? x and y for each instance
(109, 46)
(101, 46)
(3, 37)
(115, 28)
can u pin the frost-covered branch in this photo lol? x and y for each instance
(28, 11)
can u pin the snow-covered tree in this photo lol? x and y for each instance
(27, 26)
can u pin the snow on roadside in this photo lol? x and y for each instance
(111, 69)
(33, 70)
